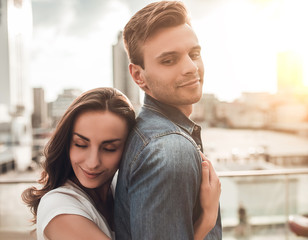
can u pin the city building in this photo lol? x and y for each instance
(16, 96)
(62, 102)
(121, 77)
(284, 112)
(204, 110)
(15, 37)
(39, 116)
(240, 115)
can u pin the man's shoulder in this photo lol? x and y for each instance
(151, 127)
(155, 123)
(157, 130)
(154, 130)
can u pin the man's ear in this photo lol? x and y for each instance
(136, 73)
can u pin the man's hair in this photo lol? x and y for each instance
(147, 21)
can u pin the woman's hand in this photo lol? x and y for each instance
(210, 190)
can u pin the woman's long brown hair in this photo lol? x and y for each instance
(57, 168)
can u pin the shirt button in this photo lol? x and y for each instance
(196, 128)
(199, 146)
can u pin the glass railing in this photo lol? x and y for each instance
(255, 205)
(15, 217)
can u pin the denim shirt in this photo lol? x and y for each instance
(157, 193)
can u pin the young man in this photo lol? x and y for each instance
(160, 173)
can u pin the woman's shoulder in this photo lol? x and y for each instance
(68, 192)
(69, 187)
(68, 199)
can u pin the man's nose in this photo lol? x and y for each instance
(189, 66)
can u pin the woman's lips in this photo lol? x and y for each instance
(91, 174)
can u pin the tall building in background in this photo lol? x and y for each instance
(15, 38)
(40, 116)
(121, 77)
(16, 96)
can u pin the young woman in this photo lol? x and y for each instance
(82, 157)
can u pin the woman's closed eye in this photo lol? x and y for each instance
(80, 145)
(110, 149)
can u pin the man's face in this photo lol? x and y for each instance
(173, 68)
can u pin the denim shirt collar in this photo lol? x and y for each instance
(172, 113)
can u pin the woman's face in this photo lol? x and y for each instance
(97, 143)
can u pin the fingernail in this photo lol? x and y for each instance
(205, 164)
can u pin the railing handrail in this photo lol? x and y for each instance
(246, 173)
(18, 181)
(272, 172)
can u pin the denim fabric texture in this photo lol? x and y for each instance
(157, 193)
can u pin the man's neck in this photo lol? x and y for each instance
(185, 109)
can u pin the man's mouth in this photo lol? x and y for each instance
(191, 82)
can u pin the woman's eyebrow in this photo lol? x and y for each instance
(112, 140)
(104, 142)
(83, 137)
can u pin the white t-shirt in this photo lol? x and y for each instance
(68, 199)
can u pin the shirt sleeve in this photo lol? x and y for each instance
(163, 189)
(57, 203)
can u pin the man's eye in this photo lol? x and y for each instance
(194, 55)
(168, 61)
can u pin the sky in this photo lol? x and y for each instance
(72, 42)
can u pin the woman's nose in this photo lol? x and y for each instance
(94, 159)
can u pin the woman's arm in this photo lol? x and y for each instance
(210, 190)
(69, 226)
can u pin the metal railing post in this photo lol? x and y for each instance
(287, 202)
